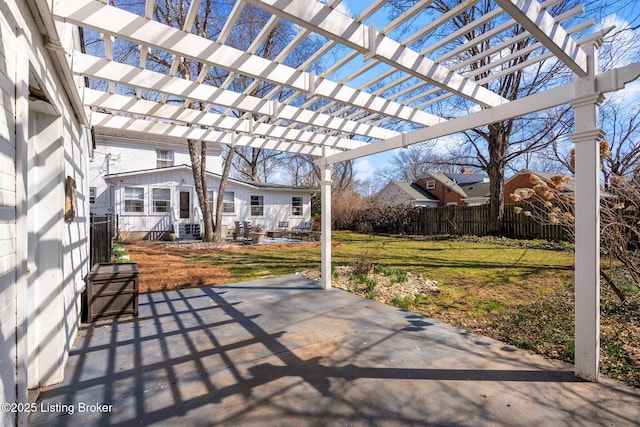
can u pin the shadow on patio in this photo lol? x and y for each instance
(284, 352)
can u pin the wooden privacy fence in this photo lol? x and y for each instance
(471, 220)
(100, 236)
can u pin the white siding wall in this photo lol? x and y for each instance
(393, 194)
(47, 301)
(277, 203)
(277, 207)
(7, 219)
(149, 221)
(116, 157)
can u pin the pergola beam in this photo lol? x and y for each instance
(117, 22)
(339, 27)
(532, 103)
(204, 119)
(186, 132)
(537, 21)
(608, 81)
(92, 66)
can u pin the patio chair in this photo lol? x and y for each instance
(302, 230)
(283, 228)
(236, 230)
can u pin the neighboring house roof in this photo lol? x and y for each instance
(477, 189)
(444, 179)
(254, 184)
(414, 191)
(467, 178)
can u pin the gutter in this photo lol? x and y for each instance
(41, 12)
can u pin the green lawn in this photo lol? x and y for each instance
(518, 292)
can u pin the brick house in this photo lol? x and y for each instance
(523, 179)
(456, 189)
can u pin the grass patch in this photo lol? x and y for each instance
(396, 275)
(488, 306)
(403, 303)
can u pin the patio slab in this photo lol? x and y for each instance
(283, 352)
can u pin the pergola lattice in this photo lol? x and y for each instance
(339, 119)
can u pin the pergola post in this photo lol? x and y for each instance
(587, 139)
(325, 279)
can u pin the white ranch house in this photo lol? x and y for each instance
(148, 186)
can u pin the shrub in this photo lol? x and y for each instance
(362, 265)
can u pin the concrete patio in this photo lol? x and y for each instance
(284, 352)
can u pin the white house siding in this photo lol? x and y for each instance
(43, 259)
(396, 195)
(113, 156)
(277, 207)
(8, 325)
(146, 224)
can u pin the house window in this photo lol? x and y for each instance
(431, 184)
(161, 200)
(257, 205)
(229, 203)
(92, 195)
(296, 206)
(133, 199)
(164, 158)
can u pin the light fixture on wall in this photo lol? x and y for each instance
(182, 181)
(70, 200)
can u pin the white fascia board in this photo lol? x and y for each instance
(116, 177)
(355, 35)
(120, 23)
(185, 132)
(189, 116)
(119, 137)
(539, 23)
(91, 66)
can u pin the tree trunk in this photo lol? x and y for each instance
(217, 236)
(498, 149)
(199, 168)
(204, 201)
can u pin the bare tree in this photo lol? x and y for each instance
(409, 164)
(301, 170)
(491, 148)
(254, 31)
(549, 203)
(198, 155)
(256, 164)
(622, 122)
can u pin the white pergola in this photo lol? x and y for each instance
(340, 119)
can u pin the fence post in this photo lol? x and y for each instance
(100, 236)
